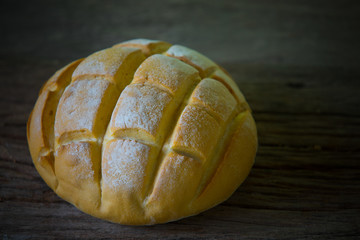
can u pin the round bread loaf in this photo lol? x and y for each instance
(141, 133)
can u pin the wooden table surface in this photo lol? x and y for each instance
(298, 64)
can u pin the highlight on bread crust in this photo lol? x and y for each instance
(142, 133)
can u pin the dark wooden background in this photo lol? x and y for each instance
(298, 64)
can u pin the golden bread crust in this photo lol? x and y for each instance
(40, 128)
(142, 133)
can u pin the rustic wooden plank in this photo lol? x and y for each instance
(296, 181)
(222, 222)
(297, 63)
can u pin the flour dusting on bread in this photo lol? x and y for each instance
(143, 133)
(125, 164)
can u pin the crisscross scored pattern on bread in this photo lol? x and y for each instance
(142, 133)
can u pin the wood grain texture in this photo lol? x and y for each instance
(297, 63)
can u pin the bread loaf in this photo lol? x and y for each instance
(141, 133)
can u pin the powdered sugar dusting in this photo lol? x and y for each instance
(78, 156)
(196, 131)
(102, 63)
(79, 105)
(168, 72)
(82, 152)
(124, 163)
(140, 107)
(170, 175)
(216, 97)
(195, 57)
